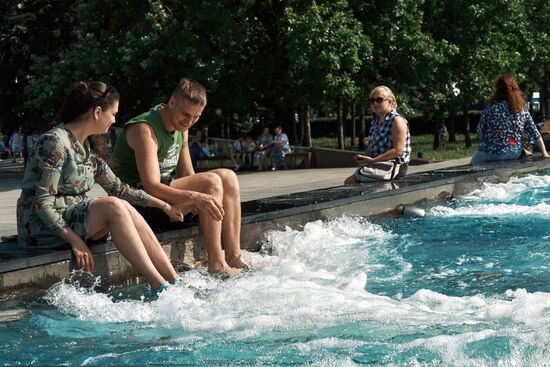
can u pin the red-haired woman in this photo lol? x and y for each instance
(503, 123)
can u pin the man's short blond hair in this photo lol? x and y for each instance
(190, 90)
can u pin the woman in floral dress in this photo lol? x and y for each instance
(54, 208)
(504, 123)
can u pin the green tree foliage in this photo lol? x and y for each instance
(265, 60)
(29, 29)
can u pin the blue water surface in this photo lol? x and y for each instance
(466, 285)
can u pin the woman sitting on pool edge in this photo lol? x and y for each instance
(503, 123)
(389, 136)
(54, 208)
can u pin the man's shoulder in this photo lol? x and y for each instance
(139, 132)
(148, 116)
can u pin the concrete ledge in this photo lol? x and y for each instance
(185, 246)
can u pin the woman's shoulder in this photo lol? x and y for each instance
(55, 138)
(396, 116)
(53, 133)
(497, 106)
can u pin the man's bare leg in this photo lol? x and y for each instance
(211, 184)
(231, 224)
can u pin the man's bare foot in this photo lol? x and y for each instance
(222, 269)
(237, 262)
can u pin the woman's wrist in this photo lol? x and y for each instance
(165, 206)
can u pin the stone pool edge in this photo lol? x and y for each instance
(185, 246)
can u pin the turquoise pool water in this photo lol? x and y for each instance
(467, 285)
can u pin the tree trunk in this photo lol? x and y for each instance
(301, 119)
(451, 125)
(436, 122)
(467, 137)
(340, 114)
(228, 127)
(308, 140)
(345, 111)
(353, 127)
(294, 127)
(545, 97)
(362, 130)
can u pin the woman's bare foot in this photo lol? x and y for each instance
(237, 262)
(222, 269)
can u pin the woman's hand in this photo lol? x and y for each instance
(363, 159)
(209, 204)
(83, 255)
(173, 212)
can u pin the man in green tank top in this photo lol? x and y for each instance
(154, 145)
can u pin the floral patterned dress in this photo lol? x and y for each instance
(54, 195)
(500, 130)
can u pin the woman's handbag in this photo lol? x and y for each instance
(379, 171)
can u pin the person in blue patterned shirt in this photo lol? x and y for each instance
(503, 124)
(389, 136)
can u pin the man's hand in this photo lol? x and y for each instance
(209, 204)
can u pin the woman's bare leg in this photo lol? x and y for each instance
(152, 246)
(350, 180)
(111, 215)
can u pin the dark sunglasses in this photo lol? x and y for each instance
(377, 100)
(107, 90)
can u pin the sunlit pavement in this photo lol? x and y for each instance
(254, 185)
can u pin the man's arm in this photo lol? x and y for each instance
(185, 166)
(141, 138)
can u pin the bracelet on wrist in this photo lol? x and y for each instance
(164, 206)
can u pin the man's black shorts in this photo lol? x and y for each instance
(159, 221)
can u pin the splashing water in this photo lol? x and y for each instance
(466, 285)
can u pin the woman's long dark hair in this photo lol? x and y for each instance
(507, 89)
(81, 99)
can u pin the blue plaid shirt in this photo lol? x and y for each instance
(500, 130)
(380, 138)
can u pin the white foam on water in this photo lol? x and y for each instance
(509, 190)
(541, 209)
(310, 279)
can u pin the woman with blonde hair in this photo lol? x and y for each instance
(503, 124)
(389, 138)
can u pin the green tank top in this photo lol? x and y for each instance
(168, 152)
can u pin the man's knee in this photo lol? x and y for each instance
(228, 177)
(211, 183)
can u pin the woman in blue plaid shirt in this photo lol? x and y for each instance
(504, 123)
(389, 136)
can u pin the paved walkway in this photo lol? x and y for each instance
(254, 185)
